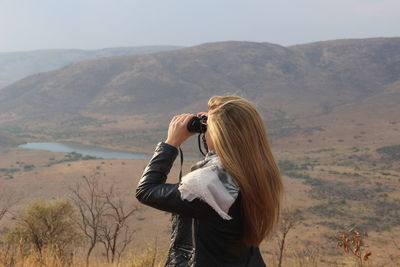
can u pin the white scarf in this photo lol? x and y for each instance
(209, 182)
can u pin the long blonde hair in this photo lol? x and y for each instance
(240, 140)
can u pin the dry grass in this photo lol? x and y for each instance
(52, 183)
(151, 257)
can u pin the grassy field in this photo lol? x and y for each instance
(331, 197)
(336, 178)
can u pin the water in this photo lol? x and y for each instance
(85, 150)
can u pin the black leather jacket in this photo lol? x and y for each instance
(217, 242)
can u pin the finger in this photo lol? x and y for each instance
(187, 118)
(178, 118)
(175, 118)
(202, 113)
(183, 117)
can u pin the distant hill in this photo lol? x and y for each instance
(332, 73)
(17, 65)
(287, 83)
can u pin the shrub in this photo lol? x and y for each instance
(391, 153)
(46, 226)
(28, 167)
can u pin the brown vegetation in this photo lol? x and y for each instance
(353, 242)
(45, 226)
(149, 258)
(103, 217)
(289, 220)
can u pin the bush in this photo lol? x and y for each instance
(46, 226)
(391, 153)
(286, 165)
(28, 167)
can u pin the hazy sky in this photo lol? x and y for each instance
(92, 24)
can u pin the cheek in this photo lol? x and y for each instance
(208, 139)
(207, 135)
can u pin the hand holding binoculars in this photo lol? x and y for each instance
(198, 124)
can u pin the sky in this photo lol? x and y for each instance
(94, 24)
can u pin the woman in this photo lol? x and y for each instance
(232, 197)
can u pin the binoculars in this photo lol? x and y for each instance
(198, 124)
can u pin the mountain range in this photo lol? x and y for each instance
(17, 65)
(305, 83)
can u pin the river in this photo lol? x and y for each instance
(85, 150)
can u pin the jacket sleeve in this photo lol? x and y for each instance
(153, 191)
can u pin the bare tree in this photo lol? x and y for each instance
(289, 220)
(114, 226)
(91, 208)
(103, 217)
